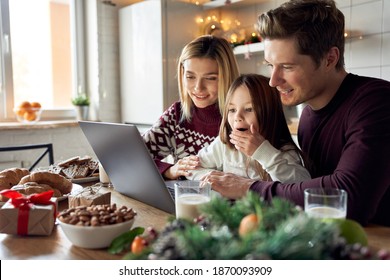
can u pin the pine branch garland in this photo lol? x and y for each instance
(283, 232)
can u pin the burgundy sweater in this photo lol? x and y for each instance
(348, 141)
(170, 136)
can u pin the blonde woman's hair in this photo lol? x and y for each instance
(211, 47)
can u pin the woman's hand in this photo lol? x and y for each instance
(182, 167)
(246, 142)
(228, 185)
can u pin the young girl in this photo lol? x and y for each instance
(253, 114)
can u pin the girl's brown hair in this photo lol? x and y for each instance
(268, 109)
(269, 113)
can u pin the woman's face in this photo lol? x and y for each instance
(201, 81)
(241, 114)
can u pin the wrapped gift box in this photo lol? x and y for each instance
(28, 218)
(89, 196)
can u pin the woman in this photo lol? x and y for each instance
(206, 68)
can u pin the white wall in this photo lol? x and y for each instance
(67, 142)
(368, 55)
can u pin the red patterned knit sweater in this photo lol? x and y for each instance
(170, 136)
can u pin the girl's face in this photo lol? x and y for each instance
(240, 110)
(201, 81)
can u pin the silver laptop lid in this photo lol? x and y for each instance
(123, 154)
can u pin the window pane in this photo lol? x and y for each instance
(41, 52)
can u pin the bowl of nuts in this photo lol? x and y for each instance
(95, 226)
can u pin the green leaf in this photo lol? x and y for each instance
(124, 240)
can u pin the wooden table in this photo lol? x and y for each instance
(378, 237)
(57, 246)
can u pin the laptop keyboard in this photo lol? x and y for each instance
(171, 191)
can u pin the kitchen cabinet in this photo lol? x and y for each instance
(149, 56)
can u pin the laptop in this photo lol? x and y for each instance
(121, 150)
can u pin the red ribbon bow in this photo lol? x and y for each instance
(25, 203)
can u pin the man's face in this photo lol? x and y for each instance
(295, 76)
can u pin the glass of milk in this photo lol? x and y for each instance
(326, 203)
(189, 195)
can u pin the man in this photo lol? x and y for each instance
(345, 129)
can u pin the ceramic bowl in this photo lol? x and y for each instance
(94, 237)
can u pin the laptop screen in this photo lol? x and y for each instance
(126, 159)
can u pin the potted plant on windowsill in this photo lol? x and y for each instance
(81, 103)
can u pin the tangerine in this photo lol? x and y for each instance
(20, 112)
(25, 105)
(30, 116)
(248, 224)
(138, 245)
(36, 105)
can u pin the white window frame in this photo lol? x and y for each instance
(77, 10)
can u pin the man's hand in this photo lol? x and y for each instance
(228, 185)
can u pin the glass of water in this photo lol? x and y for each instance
(326, 203)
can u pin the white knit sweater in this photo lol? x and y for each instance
(282, 166)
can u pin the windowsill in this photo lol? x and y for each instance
(38, 125)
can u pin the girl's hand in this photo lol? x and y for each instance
(182, 167)
(246, 142)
